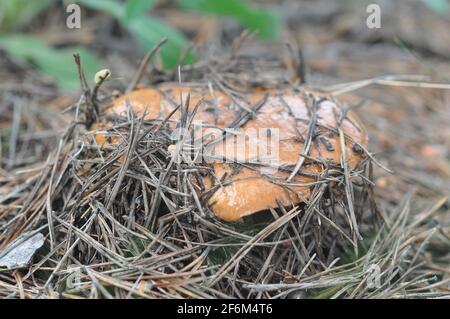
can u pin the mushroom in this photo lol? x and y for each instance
(297, 122)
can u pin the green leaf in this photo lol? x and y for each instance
(16, 13)
(264, 21)
(439, 6)
(149, 31)
(138, 8)
(57, 64)
(112, 7)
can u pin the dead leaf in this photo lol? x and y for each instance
(18, 254)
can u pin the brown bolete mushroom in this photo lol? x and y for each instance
(304, 123)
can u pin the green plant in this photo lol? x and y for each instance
(132, 15)
(148, 30)
(16, 13)
(57, 64)
(439, 6)
(265, 22)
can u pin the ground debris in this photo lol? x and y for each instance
(18, 254)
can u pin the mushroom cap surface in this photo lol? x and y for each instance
(243, 186)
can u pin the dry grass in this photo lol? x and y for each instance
(127, 221)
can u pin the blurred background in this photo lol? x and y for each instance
(408, 127)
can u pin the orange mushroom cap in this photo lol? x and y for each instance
(248, 189)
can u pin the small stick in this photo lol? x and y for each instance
(91, 110)
(137, 77)
(83, 82)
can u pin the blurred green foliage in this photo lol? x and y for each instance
(133, 16)
(265, 22)
(439, 6)
(136, 8)
(147, 30)
(16, 13)
(56, 64)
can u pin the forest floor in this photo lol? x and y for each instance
(407, 123)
